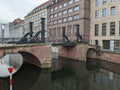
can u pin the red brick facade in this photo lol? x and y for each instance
(68, 13)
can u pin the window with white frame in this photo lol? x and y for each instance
(70, 10)
(51, 9)
(113, 10)
(56, 8)
(65, 20)
(75, 17)
(60, 6)
(104, 1)
(97, 14)
(55, 22)
(60, 21)
(76, 0)
(65, 12)
(76, 8)
(55, 15)
(104, 12)
(113, 0)
(60, 13)
(70, 18)
(70, 2)
(65, 4)
(97, 2)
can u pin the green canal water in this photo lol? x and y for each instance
(66, 75)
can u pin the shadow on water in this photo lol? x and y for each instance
(26, 77)
(92, 64)
(67, 74)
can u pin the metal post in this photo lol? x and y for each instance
(43, 30)
(77, 28)
(63, 33)
(10, 69)
(10, 81)
(31, 29)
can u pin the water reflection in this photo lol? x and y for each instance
(66, 74)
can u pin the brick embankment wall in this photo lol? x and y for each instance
(111, 57)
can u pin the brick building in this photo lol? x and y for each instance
(66, 14)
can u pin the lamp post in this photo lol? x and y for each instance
(10, 69)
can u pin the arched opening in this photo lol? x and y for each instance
(92, 59)
(30, 58)
(91, 53)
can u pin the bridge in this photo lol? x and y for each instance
(38, 55)
(36, 48)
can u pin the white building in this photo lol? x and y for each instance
(14, 29)
(1, 30)
(6, 31)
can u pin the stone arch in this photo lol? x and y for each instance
(91, 53)
(30, 58)
(92, 59)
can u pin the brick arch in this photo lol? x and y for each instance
(30, 58)
(92, 61)
(91, 53)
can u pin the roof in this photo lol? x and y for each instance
(36, 9)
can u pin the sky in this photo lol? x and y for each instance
(12, 9)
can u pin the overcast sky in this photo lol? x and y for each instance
(12, 9)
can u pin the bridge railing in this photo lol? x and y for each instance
(85, 39)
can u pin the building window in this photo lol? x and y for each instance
(106, 44)
(55, 15)
(70, 10)
(56, 8)
(70, 18)
(76, 0)
(113, 0)
(51, 23)
(65, 20)
(75, 17)
(103, 28)
(51, 16)
(113, 11)
(97, 3)
(96, 29)
(60, 21)
(60, 6)
(70, 2)
(51, 9)
(104, 1)
(55, 22)
(96, 42)
(104, 12)
(60, 13)
(97, 14)
(65, 4)
(112, 28)
(65, 12)
(117, 45)
(76, 8)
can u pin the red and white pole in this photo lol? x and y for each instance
(10, 69)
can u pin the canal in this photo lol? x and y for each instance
(66, 74)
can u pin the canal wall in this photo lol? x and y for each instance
(78, 52)
(84, 51)
(110, 56)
